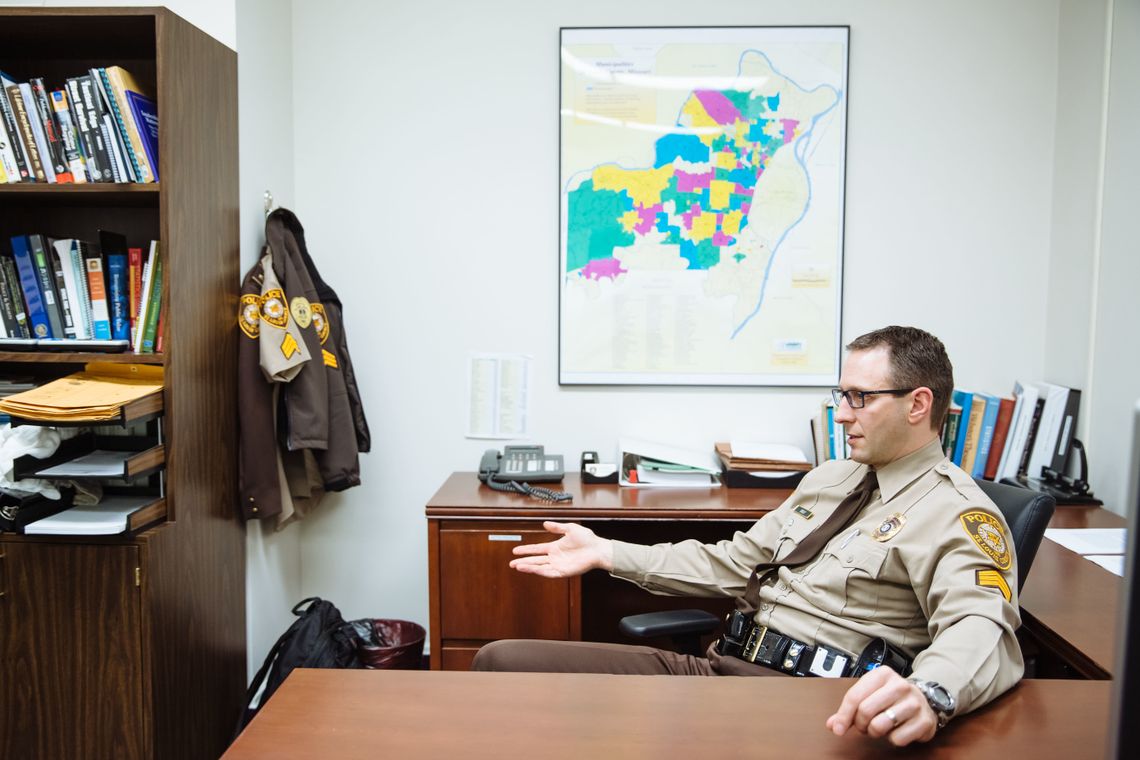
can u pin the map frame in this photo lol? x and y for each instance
(570, 330)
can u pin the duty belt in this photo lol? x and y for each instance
(763, 646)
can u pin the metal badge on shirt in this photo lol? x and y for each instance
(889, 527)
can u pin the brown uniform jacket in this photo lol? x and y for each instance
(928, 565)
(301, 426)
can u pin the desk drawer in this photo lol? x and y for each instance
(483, 598)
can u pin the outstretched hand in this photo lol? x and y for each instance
(577, 550)
(884, 704)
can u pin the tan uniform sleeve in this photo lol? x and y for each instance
(968, 591)
(282, 348)
(690, 568)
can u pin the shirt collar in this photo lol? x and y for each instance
(899, 474)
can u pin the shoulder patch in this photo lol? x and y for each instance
(992, 579)
(987, 532)
(249, 315)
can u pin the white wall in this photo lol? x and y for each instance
(265, 136)
(1115, 377)
(426, 163)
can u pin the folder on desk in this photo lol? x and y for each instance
(649, 464)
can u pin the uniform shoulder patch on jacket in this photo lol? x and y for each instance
(988, 534)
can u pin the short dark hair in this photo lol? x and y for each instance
(918, 359)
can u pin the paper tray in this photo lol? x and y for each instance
(742, 479)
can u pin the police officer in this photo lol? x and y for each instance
(916, 557)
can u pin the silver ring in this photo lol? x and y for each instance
(890, 713)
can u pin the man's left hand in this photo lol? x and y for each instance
(883, 703)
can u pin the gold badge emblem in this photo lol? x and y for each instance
(992, 579)
(887, 529)
(273, 308)
(987, 532)
(302, 311)
(249, 316)
(320, 323)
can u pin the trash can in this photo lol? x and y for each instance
(390, 644)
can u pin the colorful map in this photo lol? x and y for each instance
(702, 175)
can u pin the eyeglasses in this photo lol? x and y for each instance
(858, 399)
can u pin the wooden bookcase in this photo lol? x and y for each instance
(133, 646)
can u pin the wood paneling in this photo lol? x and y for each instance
(71, 653)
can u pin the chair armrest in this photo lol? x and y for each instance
(669, 623)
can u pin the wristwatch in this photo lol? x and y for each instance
(939, 698)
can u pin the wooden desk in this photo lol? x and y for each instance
(1068, 603)
(416, 714)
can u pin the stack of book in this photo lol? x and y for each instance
(646, 463)
(75, 294)
(100, 126)
(827, 435)
(997, 438)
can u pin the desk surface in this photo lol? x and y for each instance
(422, 714)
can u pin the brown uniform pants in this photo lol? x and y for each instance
(538, 656)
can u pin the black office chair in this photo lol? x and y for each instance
(1026, 512)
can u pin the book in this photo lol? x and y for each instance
(50, 127)
(154, 304)
(112, 138)
(8, 308)
(1056, 399)
(69, 136)
(1068, 427)
(10, 127)
(1001, 433)
(989, 422)
(97, 292)
(965, 400)
(158, 348)
(119, 126)
(145, 113)
(75, 283)
(134, 285)
(114, 248)
(29, 285)
(120, 82)
(950, 429)
(45, 278)
(8, 163)
(89, 122)
(26, 136)
(973, 431)
(1031, 439)
(11, 282)
(65, 295)
(1025, 400)
(37, 130)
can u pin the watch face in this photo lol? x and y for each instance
(940, 697)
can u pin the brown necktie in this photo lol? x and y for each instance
(810, 546)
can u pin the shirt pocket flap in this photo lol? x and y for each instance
(862, 554)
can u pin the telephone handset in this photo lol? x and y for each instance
(519, 465)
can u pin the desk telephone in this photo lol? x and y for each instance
(517, 466)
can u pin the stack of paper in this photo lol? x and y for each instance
(762, 457)
(103, 391)
(110, 516)
(644, 463)
(1104, 546)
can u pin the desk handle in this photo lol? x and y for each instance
(504, 537)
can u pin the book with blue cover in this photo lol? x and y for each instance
(145, 113)
(37, 315)
(114, 248)
(989, 422)
(963, 399)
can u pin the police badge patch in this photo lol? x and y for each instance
(320, 324)
(273, 308)
(302, 311)
(987, 532)
(889, 527)
(249, 316)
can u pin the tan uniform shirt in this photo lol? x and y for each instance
(928, 565)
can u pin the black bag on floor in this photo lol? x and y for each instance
(319, 638)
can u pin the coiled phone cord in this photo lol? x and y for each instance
(514, 486)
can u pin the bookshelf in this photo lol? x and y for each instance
(133, 646)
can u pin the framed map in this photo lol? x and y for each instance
(701, 205)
